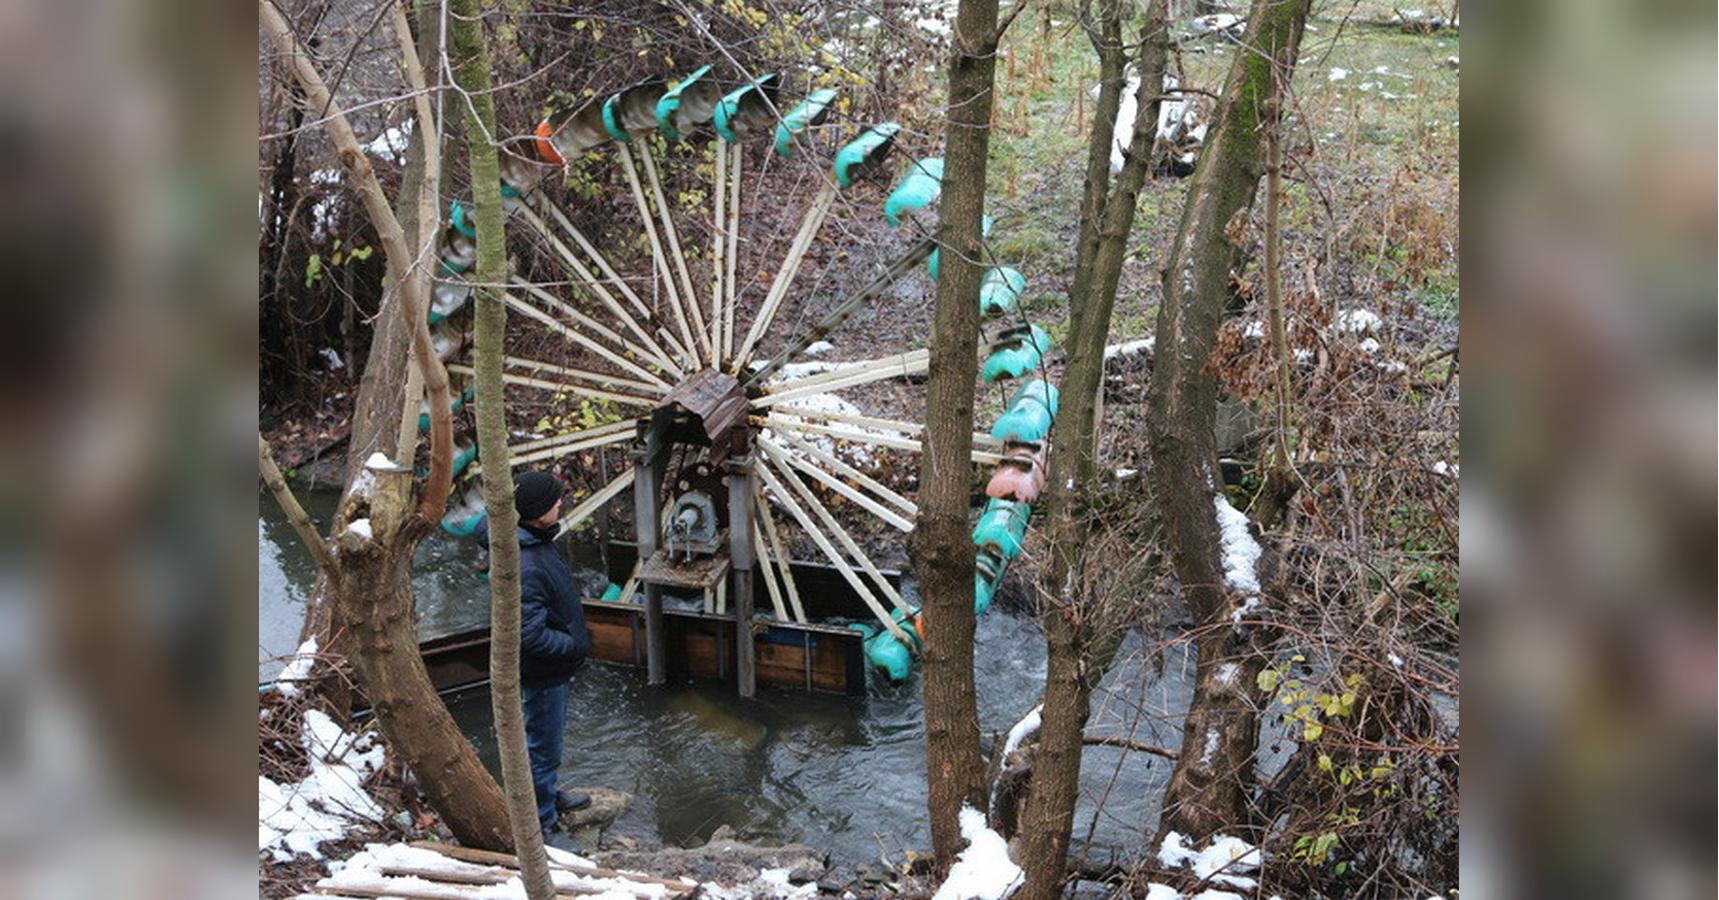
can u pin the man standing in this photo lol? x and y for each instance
(552, 639)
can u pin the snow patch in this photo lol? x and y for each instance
(361, 527)
(1140, 347)
(1025, 728)
(297, 669)
(983, 871)
(1358, 321)
(1240, 551)
(817, 347)
(1222, 862)
(1444, 468)
(1227, 674)
(363, 873)
(332, 357)
(1368, 345)
(380, 462)
(1394, 659)
(1211, 746)
(329, 802)
(1337, 74)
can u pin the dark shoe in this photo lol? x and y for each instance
(568, 801)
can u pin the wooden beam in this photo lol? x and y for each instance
(735, 155)
(719, 247)
(776, 419)
(784, 563)
(914, 362)
(846, 540)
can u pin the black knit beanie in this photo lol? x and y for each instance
(534, 493)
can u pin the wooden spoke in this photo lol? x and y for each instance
(840, 562)
(563, 387)
(842, 537)
(835, 464)
(784, 562)
(912, 258)
(790, 267)
(656, 353)
(731, 251)
(589, 324)
(590, 505)
(581, 339)
(675, 254)
(562, 445)
(598, 378)
(778, 420)
(770, 571)
(913, 362)
(719, 246)
(840, 487)
(658, 256)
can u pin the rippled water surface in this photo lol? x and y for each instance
(846, 774)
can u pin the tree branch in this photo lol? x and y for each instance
(295, 513)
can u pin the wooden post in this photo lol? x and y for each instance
(647, 513)
(741, 490)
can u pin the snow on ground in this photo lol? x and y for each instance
(1129, 348)
(1225, 862)
(1337, 74)
(297, 668)
(329, 802)
(1358, 321)
(983, 871)
(365, 873)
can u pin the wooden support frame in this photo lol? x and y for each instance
(837, 465)
(741, 490)
(777, 420)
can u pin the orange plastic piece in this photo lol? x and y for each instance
(545, 149)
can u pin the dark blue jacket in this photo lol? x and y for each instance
(553, 641)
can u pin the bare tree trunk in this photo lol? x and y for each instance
(942, 550)
(1208, 789)
(1083, 632)
(372, 578)
(471, 59)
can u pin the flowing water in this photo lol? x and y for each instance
(845, 774)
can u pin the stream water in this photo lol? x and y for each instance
(845, 774)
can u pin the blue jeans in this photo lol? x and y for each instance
(545, 729)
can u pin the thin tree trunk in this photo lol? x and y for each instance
(372, 582)
(1083, 632)
(471, 59)
(1208, 789)
(942, 550)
